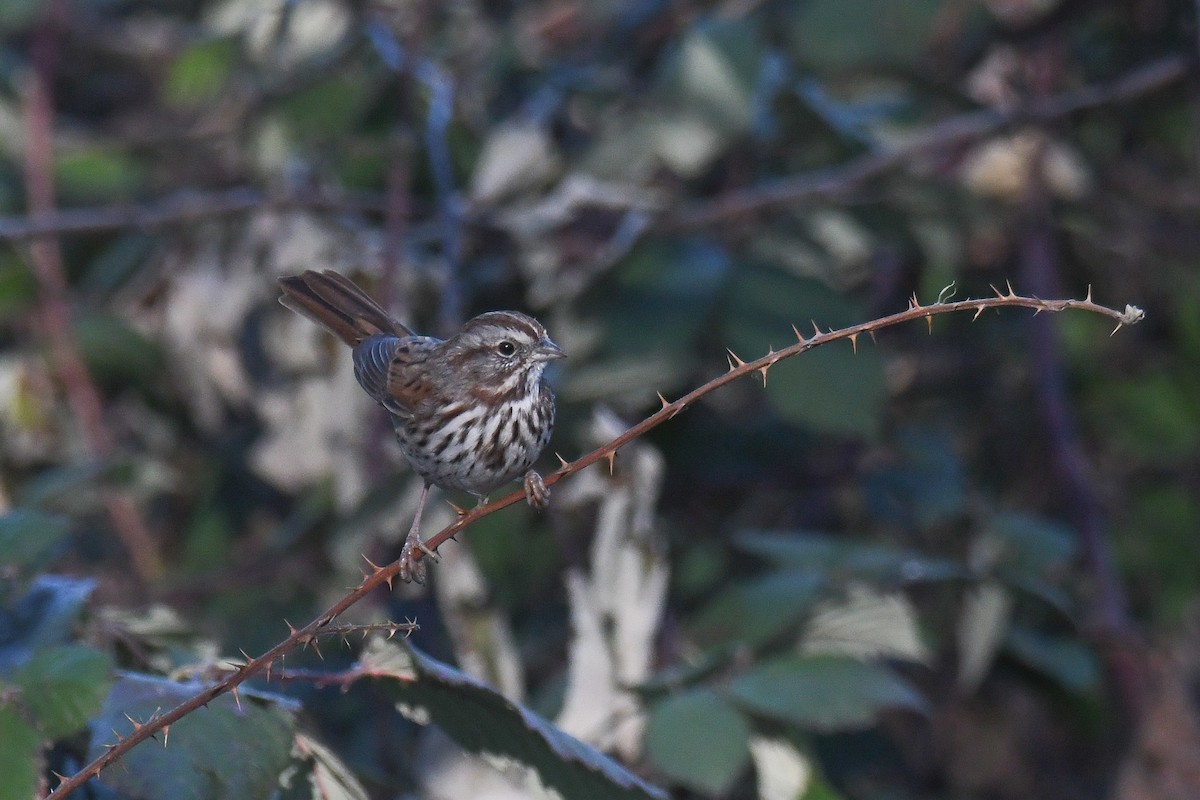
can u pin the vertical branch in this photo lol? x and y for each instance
(1039, 272)
(441, 112)
(55, 317)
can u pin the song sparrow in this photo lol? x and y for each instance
(471, 412)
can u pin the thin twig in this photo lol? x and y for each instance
(954, 132)
(826, 183)
(380, 575)
(180, 208)
(46, 255)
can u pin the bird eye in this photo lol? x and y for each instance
(506, 348)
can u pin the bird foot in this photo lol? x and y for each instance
(412, 567)
(535, 491)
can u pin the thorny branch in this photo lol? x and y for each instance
(377, 575)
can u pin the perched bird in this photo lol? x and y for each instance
(471, 412)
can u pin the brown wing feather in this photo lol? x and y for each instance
(409, 382)
(337, 304)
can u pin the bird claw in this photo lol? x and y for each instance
(413, 568)
(535, 491)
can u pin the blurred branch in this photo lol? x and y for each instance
(836, 181)
(440, 90)
(46, 255)
(377, 576)
(189, 206)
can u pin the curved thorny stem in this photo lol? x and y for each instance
(377, 575)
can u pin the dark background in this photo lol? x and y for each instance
(959, 564)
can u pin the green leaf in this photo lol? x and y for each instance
(841, 34)
(698, 740)
(45, 615)
(830, 389)
(713, 74)
(824, 693)
(840, 559)
(669, 287)
(95, 173)
(327, 108)
(480, 720)
(1065, 660)
(318, 774)
(1154, 415)
(199, 72)
(29, 538)
(20, 754)
(1032, 545)
(923, 487)
(231, 748)
(114, 351)
(755, 611)
(63, 687)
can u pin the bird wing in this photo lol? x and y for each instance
(392, 370)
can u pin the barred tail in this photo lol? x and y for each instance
(337, 304)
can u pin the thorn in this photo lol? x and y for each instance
(237, 698)
(1088, 298)
(1011, 293)
(929, 322)
(267, 671)
(978, 311)
(246, 656)
(612, 457)
(459, 511)
(763, 369)
(662, 400)
(562, 461)
(873, 339)
(120, 738)
(854, 342)
(913, 302)
(997, 291)
(137, 726)
(317, 647)
(292, 630)
(166, 729)
(61, 778)
(815, 328)
(375, 568)
(734, 359)
(799, 336)
(1114, 330)
(1038, 310)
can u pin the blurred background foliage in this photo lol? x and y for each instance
(958, 563)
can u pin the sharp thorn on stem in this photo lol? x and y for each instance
(799, 336)
(978, 311)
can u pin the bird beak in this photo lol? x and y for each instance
(547, 350)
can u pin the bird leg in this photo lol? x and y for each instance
(412, 568)
(535, 490)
